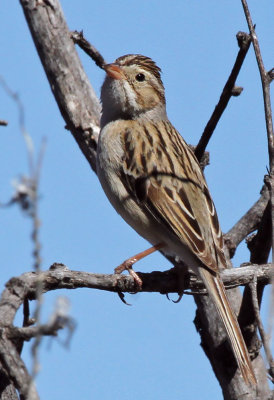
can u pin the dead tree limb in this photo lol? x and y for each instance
(70, 86)
(267, 228)
(227, 93)
(24, 287)
(247, 224)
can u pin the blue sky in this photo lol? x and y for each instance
(150, 350)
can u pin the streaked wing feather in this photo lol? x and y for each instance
(179, 218)
(172, 189)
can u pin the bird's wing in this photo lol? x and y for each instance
(164, 176)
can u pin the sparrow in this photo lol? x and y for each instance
(154, 181)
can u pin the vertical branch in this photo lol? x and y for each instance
(266, 80)
(256, 307)
(21, 117)
(29, 200)
(35, 181)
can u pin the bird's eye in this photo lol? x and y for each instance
(140, 77)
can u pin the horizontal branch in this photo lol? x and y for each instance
(27, 333)
(60, 277)
(24, 287)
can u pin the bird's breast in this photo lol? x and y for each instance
(110, 157)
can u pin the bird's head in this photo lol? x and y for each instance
(132, 89)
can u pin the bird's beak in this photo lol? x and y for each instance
(114, 71)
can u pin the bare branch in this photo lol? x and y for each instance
(21, 117)
(50, 329)
(88, 48)
(247, 224)
(60, 277)
(34, 331)
(16, 369)
(266, 79)
(27, 196)
(253, 289)
(228, 91)
(259, 244)
(73, 93)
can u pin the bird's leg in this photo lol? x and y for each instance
(127, 264)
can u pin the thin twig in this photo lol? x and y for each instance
(37, 262)
(266, 79)
(21, 112)
(265, 341)
(49, 329)
(88, 48)
(34, 210)
(34, 331)
(228, 91)
(32, 192)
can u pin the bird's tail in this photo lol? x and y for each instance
(217, 292)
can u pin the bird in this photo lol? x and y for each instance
(154, 181)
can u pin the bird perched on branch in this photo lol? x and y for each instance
(154, 181)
